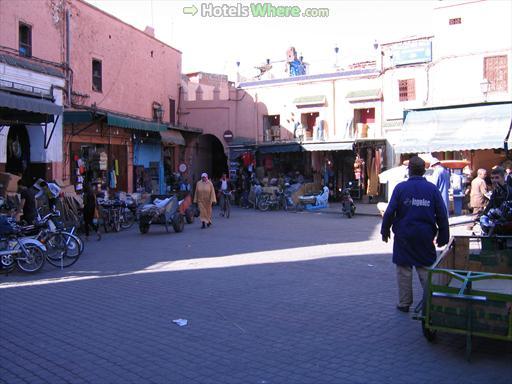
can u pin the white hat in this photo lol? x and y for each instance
(204, 174)
(434, 161)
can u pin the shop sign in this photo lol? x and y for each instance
(228, 136)
(417, 52)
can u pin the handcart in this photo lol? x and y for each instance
(469, 290)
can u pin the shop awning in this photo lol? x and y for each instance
(364, 94)
(29, 104)
(172, 137)
(280, 148)
(455, 129)
(309, 100)
(132, 123)
(78, 117)
(342, 146)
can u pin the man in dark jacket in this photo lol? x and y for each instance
(502, 191)
(417, 214)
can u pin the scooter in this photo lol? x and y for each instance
(280, 199)
(166, 211)
(348, 207)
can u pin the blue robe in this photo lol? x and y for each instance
(417, 214)
(441, 178)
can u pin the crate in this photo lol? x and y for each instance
(469, 289)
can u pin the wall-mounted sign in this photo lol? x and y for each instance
(412, 53)
(182, 168)
(228, 136)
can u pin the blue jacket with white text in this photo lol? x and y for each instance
(417, 214)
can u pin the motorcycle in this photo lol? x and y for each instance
(348, 207)
(498, 221)
(28, 254)
(279, 199)
(166, 211)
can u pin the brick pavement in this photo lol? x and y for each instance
(270, 298)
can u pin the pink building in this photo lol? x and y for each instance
(124, 92)
(31, 88)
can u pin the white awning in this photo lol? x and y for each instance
(484, 126)
(341, 146)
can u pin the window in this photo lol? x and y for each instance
(495, 71)
(96, 75)
(172, 111)
(406, 90)
(271, 128)
(25, 35)
(157, 111)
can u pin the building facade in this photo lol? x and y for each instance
(32, 82)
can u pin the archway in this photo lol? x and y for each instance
(211, 157)
(18, 151)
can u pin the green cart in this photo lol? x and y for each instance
(469, 290)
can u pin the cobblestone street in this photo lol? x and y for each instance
(269, 297)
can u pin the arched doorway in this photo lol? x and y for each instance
(18, 151)
(211, 157)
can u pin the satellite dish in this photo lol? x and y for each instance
(182, 168)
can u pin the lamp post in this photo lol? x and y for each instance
(484, 88)
(238, 72)
(336, 50)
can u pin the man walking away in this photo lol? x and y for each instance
(441, 178)
(478, 192)
(417, 214)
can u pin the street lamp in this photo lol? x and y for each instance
(484, 88)
(336, 50)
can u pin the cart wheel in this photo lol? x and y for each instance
(429, 334)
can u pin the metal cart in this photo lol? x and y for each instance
(469, 290)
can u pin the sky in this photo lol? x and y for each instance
(216, 44)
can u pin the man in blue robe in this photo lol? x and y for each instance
(417, 214)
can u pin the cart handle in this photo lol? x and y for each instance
(459, 296)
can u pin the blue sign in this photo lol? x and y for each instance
(420, 52)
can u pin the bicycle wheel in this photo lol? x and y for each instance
(33, 261)
(227, 208)
(263, 205)
(74, 245)
(58, 245)
(127, 218)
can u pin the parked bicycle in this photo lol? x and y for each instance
(62, 248)
(110, 211)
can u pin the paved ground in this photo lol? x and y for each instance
(270, 298)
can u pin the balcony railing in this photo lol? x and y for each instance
(24, 88)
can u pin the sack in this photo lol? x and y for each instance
(7, 225)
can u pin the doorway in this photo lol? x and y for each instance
(18, 152)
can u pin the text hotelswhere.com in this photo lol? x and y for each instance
(254, 10)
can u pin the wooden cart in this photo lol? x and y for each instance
(469, 290)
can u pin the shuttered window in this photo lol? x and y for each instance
(496, 72)
(406, 90)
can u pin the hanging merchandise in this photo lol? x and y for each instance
(113, 179)
(103, 161)
(116, 166)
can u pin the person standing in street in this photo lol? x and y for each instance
(91, 212)
(441, 178)
(478, 192)
(204, 197)
(417, 214)
(27, 205)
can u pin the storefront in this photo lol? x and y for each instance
(107, 148)
(479, 133)
(27, 126)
